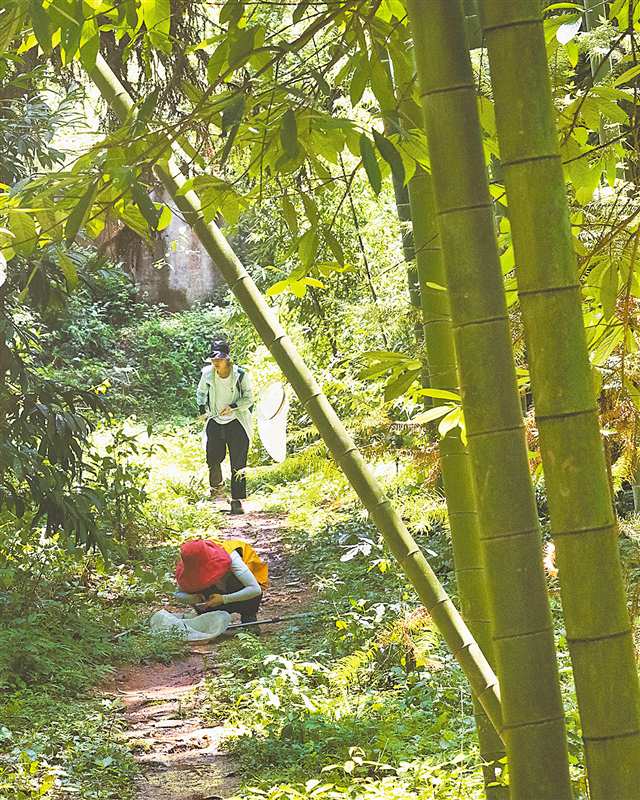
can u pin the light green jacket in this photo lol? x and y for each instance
(242, 399)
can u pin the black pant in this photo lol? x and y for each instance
(231, 436)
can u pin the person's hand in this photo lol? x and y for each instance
(225, 411)
(214, 601)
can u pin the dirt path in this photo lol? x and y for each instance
(179, 755)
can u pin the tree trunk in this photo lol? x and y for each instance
(524, 649)
(580, 504)
(384, 516)
(454, 458)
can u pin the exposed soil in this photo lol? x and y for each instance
(180, 757)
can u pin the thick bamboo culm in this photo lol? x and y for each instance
(454, 458)
(524, 651)
(401, 544)
(421, 249)
(581, 510)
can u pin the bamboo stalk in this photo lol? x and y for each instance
(582, 517)
(534, 732)
(398, 539)
(454, 457)
(421, 249)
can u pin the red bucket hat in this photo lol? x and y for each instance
(201, 563)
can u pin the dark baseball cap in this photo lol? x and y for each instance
(219, 349)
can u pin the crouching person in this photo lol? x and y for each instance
(222, 575)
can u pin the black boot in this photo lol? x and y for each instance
(236, 507)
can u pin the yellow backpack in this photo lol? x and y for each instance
(257, 566)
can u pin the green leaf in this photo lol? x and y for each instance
(289, 133)
(146, 205)
(359, 80)
(370, 162)
(433, 414)
(398, 386)
(440, 394)
(68, 269)
(229, 143)
(381, 85)
(241, 46)
(308, 247)
(231, 12)
(233, 111)
(89, 44)
(627, 76)
(214, 67)
(23, 227)
(334, 245)
(310, 208)
(609, 290)
(563, 7)
(41, 25)
(290, 216)
(157, 19)
(453, 420)
(391, 156)
(77, 216)
(300, 9)
(277, 288)
(166, 215)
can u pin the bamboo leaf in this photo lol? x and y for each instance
(214, 67)
(290, 216)
(166, 215)
(391, 156)
(289, 133)
(308, 247)
(231, 12)
(77, 216)
(300, 9)
(310, 208)
(277, 288)
(241, 46)
(433, 414)
(147, 207)
(23, 228)
(157, 19)
(627, 76)
(41, 25)
(359, 80)
(68, 269)
(452, 420)
(89, 44)
(440, 394)
(370, 162)
(334, 245)
(381, 86)
(609, 290)
(233, 111)
(398, 386)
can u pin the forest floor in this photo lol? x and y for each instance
(178, 752)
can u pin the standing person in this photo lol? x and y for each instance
(225, 394)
